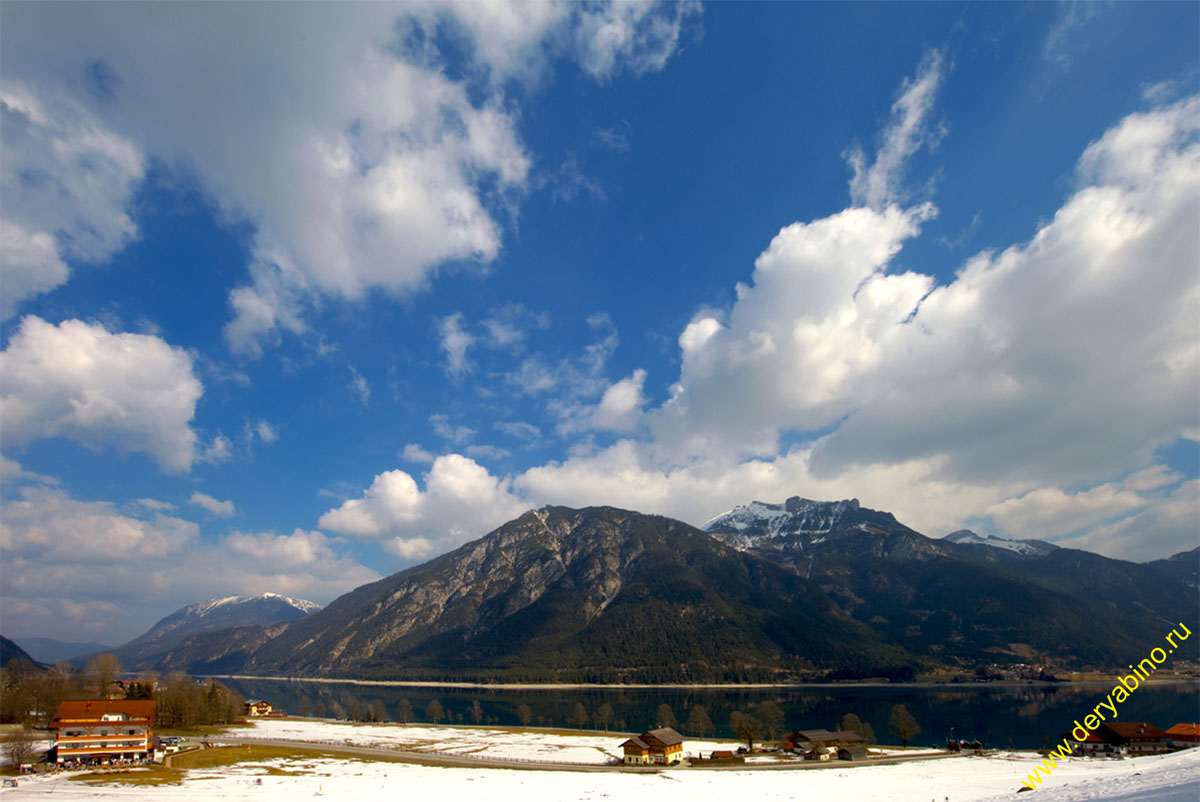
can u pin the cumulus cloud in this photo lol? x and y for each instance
(365, 130)
(221, 509)
(461, 501)
(126, 569)
(1007, 391)
(620, 407)
(67, 181)
(132, 392)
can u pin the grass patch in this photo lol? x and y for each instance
(156, 775)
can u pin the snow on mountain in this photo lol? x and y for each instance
(225, 612)
(1032, 548)
(750, 524)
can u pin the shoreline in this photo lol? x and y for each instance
(567, 686)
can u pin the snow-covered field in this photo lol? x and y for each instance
(1167, 778)
(469, 741)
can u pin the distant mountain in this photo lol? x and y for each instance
(593, 594)
(965, 597)
(48, 650)
(10, 651)
(1029, 548)
(1184, 566)
(213, 615)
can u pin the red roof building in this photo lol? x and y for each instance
(1184, 735)
(102, 730)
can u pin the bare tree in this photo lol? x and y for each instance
(579, 715)
(746, 727)
(771, 717)
(103, 670)
(476, 712)
(406, 711)
(434, 711)
(20, 746)
(698, 722)
(604, 715)
(903, 725)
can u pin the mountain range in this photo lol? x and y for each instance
(801, 589)
(215, 615)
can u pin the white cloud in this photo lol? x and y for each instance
(461, 501)
(66, 182)
(49, 524)
(221, 509)
(1167, 526)
(994, 392)
(484, 451)
(359, 386)
(414, 453)
(456, 434)
(12, 472)
(405, 167)
(640, 35)
(219, 450)
(620, 407)
(265, 432)
(455, 342)
(506, 326)
(124, 571)
(909, 129)
(518, 429)
(133, 392)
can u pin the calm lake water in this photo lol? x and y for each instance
(1024, 716)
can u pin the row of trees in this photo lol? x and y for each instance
(30, 695)
(763, 721)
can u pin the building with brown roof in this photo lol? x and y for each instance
(1137, 737)
(103, 730)
(662, 746)
(805, 740)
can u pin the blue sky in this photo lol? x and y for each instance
(298, 295)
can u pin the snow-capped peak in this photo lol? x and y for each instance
(1029, 547)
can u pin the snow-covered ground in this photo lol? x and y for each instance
(1166, 778)
(471, 741)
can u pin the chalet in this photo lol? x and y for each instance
(662, 746)
(257, 707)
(1136, 737)
(1184, 736)
(103, 730)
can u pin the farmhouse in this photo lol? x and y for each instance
(1138, 737)
(101, 730)
(1184, 736)
(257, 707)
(662, 746)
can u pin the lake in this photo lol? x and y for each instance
(1012, 715)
